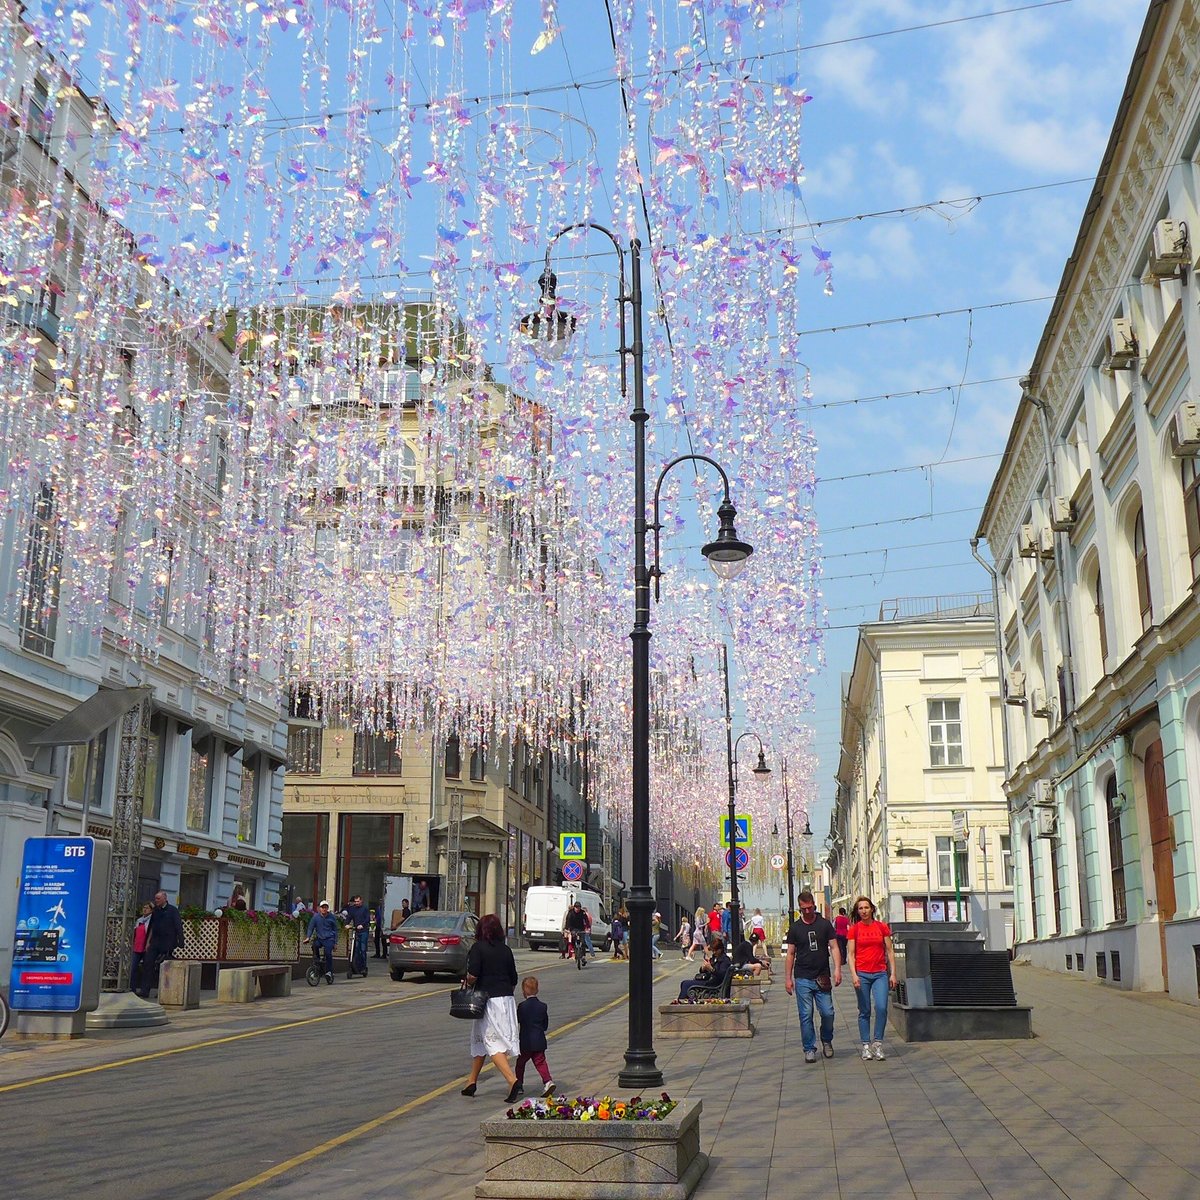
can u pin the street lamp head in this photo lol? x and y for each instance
(760, 768)
(775, 829)
(807, 829)
(727, 555)
(550, 327)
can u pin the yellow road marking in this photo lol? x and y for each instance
(221, 1041)
(290, 1164)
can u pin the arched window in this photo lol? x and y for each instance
(1116, 854)
(1189, 473)
(1141, 569)
(1101, 628)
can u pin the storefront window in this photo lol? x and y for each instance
(370, 846)
(248, 799)
(200, 778)
(305, 850)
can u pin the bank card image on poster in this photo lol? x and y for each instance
(51, 971)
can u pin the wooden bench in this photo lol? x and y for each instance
(241, 985)
(702, 991)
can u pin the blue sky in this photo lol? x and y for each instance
(1016, 101)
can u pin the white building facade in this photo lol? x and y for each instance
(922, 761)
(1093, 522)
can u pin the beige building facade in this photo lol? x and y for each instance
(922, 761)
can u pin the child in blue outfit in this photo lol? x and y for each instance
(533, 1019)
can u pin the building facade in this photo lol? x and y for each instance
(1093, 522)
(134, 715)
(922, 762)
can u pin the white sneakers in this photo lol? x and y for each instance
(548, 1090)
(877, 1051)
(866, 1052)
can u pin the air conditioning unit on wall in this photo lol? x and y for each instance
(1027, 541)
(1039, 703)
(1170, 253)
(1043, 792)
(1122, 344)
(1062, 514)
(1047, 822)
(1046, 543)
(1014, 686)
(1186, 423)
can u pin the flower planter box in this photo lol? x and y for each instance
(218, 939)
(705, 1020)
(594, 1160)
(750, 990)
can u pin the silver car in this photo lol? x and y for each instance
(433, 942)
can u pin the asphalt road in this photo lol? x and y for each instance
(194, 1123)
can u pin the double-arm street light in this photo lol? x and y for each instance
(551, 327)
(761, 770)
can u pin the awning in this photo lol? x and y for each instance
(1126, 723)
(200, 729)
(91, 718)
(250, 749)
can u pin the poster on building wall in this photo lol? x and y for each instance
(914, 910)
(937, 910)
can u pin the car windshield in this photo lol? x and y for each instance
(431, 921)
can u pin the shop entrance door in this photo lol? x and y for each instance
(1162, 845)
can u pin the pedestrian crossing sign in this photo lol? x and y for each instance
(743, 830)
(571, 845)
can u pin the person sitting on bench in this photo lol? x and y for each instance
(712, 973)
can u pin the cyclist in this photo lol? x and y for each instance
(358, 916)
(576, 929)
(323, 929)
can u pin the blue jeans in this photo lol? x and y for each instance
(872, 986)
(808, 994)
(325, 951)
(654, 950)
(358, 955)
(587, 941)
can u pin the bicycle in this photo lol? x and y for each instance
(316, 971)
(580, 948)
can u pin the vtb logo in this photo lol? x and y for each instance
(75, 852)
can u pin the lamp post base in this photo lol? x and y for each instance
(641, 1072)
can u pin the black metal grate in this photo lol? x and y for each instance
(980, 978)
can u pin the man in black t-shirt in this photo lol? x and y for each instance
(811, 942)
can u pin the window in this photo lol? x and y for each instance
(87, 763)
(1033, 911)
(1056, 878)
(1116, 853)
(156, 759)
(1190, 475)
(200, 785)
(193, 889)
(453, 757)
(478, 756)
(945, 734)
(305, 846)
(1006, 858)
(377, 753)
(948, 858)
(304, 749)
(43, 561)
(1101, 628)
(370, 846)
(248, 798)
(1141, 569)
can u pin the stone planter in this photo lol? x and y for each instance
(750, 990)
(594, 1160)
(705, 1020)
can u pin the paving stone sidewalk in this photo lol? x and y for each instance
(1103, 1104)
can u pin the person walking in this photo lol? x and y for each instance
(714, 921)
(323, 931)
(533, 1019)
(164, 936)
(684, 935)
(697, 941)
(727, 922)
(492, 969)
(655, 934)
(700, 925)
(141, 937)
(618, 936)
(811, 942)
(587, 932)
(872, 964)
(380, 944)
(841, 927)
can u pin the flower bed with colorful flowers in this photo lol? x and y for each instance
(591, 1108)
(710, 1003)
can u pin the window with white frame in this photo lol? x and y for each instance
(1141, 569)
(945, 733)
(1189, 469)
(948, 854)
(200, 785)
(1006, 858)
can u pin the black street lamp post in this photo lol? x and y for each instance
(761, 770)
(791, 882)
(726, 555)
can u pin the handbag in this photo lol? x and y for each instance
(468, 1003)
(824, 983)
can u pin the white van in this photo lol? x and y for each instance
(545, 908)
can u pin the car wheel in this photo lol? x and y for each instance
(396, 973)
(428, 974)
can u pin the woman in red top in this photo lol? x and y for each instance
(872, 963)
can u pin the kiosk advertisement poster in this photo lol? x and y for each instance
(62, 882)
